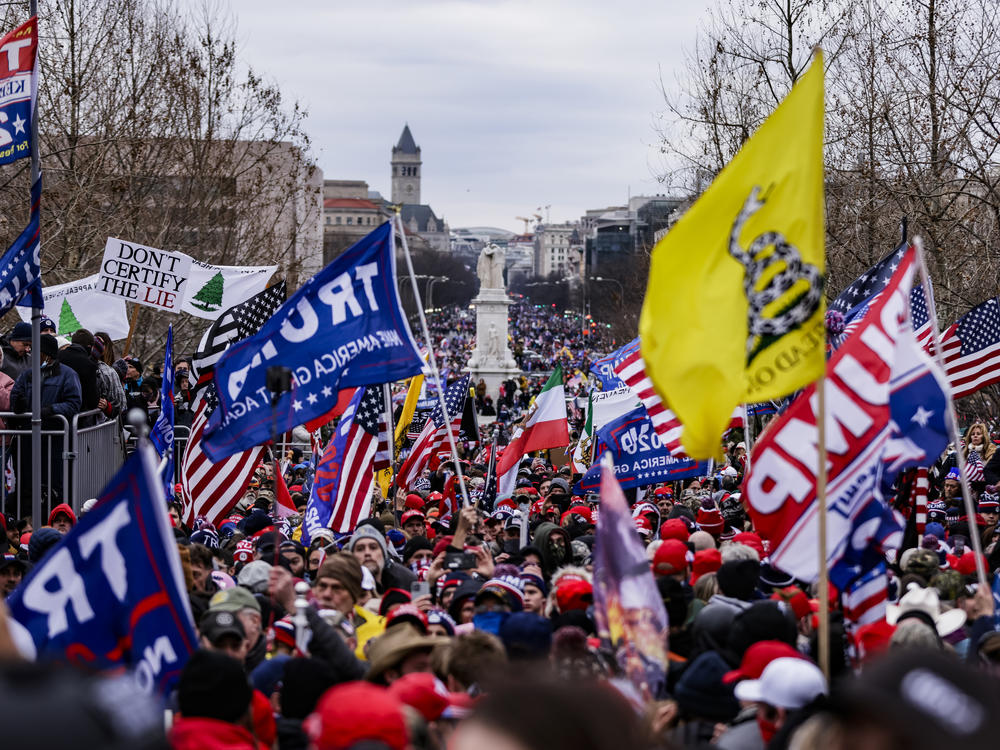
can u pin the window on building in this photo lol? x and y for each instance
(349, 219)
(361, 220)
(338, 220)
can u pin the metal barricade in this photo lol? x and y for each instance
(181, 435)
(98, 451)
(15, 459)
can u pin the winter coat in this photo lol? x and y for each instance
(197, 733)
(79, 360)
(329, 647)
(109, 387)
(13, 363)
(60, 395)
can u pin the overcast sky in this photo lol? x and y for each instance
(515, 104)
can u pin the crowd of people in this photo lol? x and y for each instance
(436, 625)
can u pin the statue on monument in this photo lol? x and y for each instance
(491, 266)
(493, 347)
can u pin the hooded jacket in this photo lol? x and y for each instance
(543, 534)
(13, 363)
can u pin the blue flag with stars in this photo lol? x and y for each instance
(344, 328)
(20, 269)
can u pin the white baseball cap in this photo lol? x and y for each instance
(787, 682)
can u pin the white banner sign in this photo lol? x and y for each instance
(609, 405)
(145, 275)
(211, 290)
(75, 305)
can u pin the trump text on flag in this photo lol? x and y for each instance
(17, 63)
(146, 275)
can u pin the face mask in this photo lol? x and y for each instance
(490, 621)
(767, 729)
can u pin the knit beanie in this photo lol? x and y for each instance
(213, 685)
(709, 517)
(368, 531)
(738, 578)
(343, 568)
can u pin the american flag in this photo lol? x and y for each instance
(346, 472)
(974, 466)
(235, 324)
(918, 494)
(632, 371)
(434, 437)
(971, 349)
(211, 490)
(853, 303)
(866, 597)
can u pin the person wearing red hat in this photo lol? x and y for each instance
(752, 540)
(413, 502)
(705, 561)
(414, 524)
(671, 560)
(355, 713)
(664, 498)
(743, 731)
(674, 528)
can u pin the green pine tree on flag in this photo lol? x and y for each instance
(67, 319)
(210, 295)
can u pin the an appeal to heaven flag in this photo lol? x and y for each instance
(78, 305)
(734, 307)
(344, 327)
(211, 290)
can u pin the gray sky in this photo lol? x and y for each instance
(515, 104)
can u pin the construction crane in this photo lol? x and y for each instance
(526, 221)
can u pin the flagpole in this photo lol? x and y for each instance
(131, 328)
(36, 325)
(823, 591)
(747, 435)
(431, 359)
(970, 510)
(387, 398)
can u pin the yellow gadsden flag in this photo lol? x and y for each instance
(734, 309)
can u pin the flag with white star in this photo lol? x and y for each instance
(886, 411)
(18, 90)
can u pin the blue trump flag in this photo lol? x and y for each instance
(639, 456)
(162, 434)
(111, 594)
(20, 272)
(344, 328)
(604, 368)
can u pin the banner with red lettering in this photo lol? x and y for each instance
(886, 410)
(145, 275)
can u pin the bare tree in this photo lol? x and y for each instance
(912, 92)
(152, 130)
